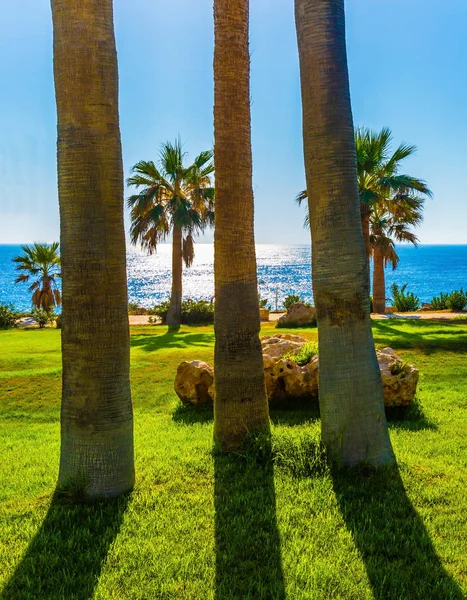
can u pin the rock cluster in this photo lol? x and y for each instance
(288, 381)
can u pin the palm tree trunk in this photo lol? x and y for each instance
(365, 213)
(241, 405)
(96, 455)
(379, 285)
(353, 422)
(174, 314)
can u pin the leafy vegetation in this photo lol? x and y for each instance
(439, 302)
(291, 299)
(304, 354)
(8, 316)
(194, 312)
(43, 317)
(404, 301)
(456, 300)
(275, 522)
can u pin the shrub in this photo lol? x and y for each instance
(291, 299)
(263, 302)
(402, 301)
(42, 317)
(439, 302)
(193, 311)
(58, 321)
(304, 354)
(456, 300)
(135, 309)
(8, 316)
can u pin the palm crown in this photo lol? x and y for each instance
(172, 194)
(41, 264)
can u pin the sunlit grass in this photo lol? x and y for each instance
(274, 523)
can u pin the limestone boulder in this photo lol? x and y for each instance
(399, 379)
(286, 380)
(280, 344)
(194, 382)
(298, 314)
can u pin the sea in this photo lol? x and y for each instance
(282, 270)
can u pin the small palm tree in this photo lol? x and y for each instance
(379, 177)
(173, 198)
(41, 263)
(390, 223)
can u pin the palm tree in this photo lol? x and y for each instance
(175, 197)
(41, 262)
(389, 223)
(96, 455)
(241, 405)
(378, 174)
(353, 423)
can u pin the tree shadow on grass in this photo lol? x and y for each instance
(400, 559)
(65, 557)
(172, 338)
(427, 343)
(190, 415)
(248, 554)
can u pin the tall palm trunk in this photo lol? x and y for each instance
(96, 453)
(241, 405)
(353, 422)
(379, 285)
(174, 314)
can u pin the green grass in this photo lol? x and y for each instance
(275, 523)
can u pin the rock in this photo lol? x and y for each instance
(280, 344)
(298, 315)
(427, 306)
(285, 380)
(399, 379)
(194, 382)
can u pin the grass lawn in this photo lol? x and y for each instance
(200, 526)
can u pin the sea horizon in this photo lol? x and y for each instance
(283, 269)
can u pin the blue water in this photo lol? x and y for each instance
(428, 270)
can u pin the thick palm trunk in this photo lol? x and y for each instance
(379, 285)
(174, 314)
(241, 405)
(353, 422)
(96, 456)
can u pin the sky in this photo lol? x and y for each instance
(407, 64)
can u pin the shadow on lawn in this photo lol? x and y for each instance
(172, 338)
(65, 557)
(248, 556)
(388, 333)
(399, 557)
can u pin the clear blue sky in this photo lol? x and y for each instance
(407, 61)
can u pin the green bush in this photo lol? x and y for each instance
(135, 309)
(304, 354)
(42, 317)
(456, 300)
(291, 299)
(402, 301)
(8, 316)
(439, 302)
(193, 311)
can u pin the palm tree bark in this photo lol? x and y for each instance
(365, 213)
(241, 405)
(379, 285)
(174, 314)
(96, 455)
(353, 422)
